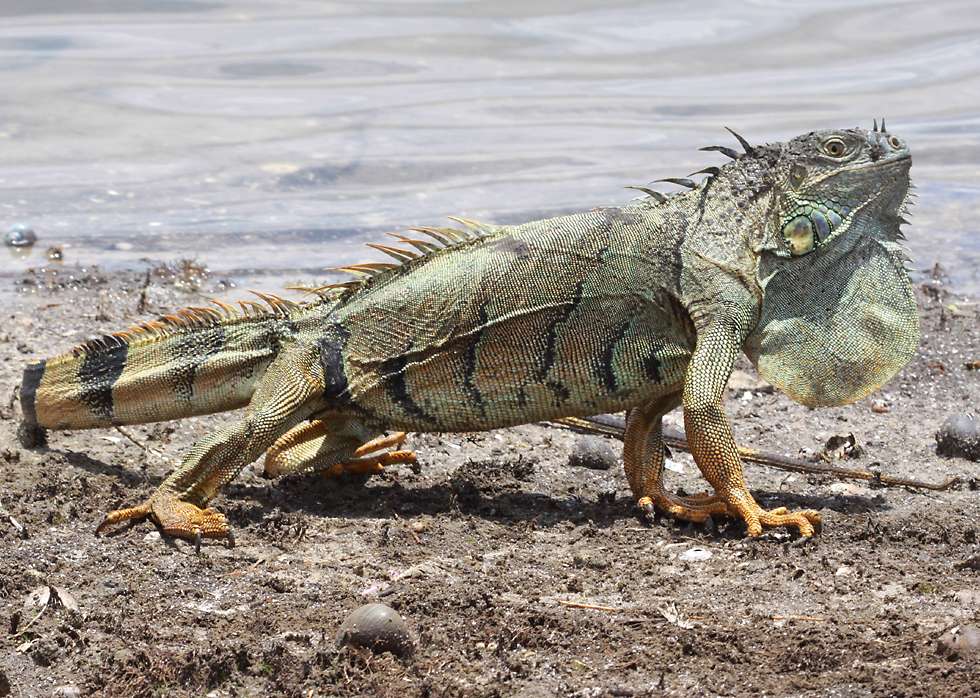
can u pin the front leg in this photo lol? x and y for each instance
(710, 435)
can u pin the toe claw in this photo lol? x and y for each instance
(173, 517)
(648, 513)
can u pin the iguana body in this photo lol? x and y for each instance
(790, 253)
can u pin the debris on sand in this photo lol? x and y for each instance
(376, 627)
(959, 436)
(20, 235)
(959, 641)
(592, 452)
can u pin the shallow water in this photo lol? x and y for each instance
(274, 135)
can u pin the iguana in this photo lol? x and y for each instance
(790, 252)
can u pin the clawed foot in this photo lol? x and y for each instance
(701, 509)
(370, 465)
(697, 508)
(174, 518)
(756, 517)
(368, 461)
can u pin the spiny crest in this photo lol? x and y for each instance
(191, 318)
(712, 171)
(411, 251)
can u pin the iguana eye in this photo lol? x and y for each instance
(799, 234)
(894, 142)
(834, 147)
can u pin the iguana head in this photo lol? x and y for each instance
(838, 315)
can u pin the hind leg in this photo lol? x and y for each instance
(286, 397)
(643, 459)
(334, 445)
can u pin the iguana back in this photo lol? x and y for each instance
(570, 315)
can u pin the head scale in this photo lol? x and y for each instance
(827, 180)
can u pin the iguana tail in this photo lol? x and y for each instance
(196, 361)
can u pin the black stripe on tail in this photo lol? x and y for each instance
(29, 433)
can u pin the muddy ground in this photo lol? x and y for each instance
(519, 572)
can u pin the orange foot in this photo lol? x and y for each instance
(370, 465)
(174, 518)
(698, 508)
(756, 517)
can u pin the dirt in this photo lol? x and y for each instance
(519, 571)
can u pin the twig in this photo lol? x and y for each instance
(133, 439)
(594, 607)
(815, 619)
(613, 425)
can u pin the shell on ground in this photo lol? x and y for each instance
(376, 627)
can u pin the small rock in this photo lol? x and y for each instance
(841, 447)
(959, 641)
(880, 407)
(695, 555)
(968, 597)
(741, 381)
(959, 436)
(55, 253)
(843, 571)
(376, 627)
(152, 537)
(845, 488)
(592, 452)
(20, 235)
(66, 691)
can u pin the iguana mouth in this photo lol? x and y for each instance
(878, 164)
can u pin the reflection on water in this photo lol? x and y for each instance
(273, 134)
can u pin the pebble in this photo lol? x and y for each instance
(846, 488)
(20, 235)
(959, 641)
(968, 597)
(66, 691)
(695, 555)
(592, 452)
(376, 627)
(959, 436)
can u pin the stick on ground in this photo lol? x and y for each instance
(615, 425)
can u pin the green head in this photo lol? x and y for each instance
(828, 180)
(838, 316)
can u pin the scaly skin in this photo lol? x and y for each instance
(789, 253)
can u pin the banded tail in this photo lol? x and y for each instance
(196, 361)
